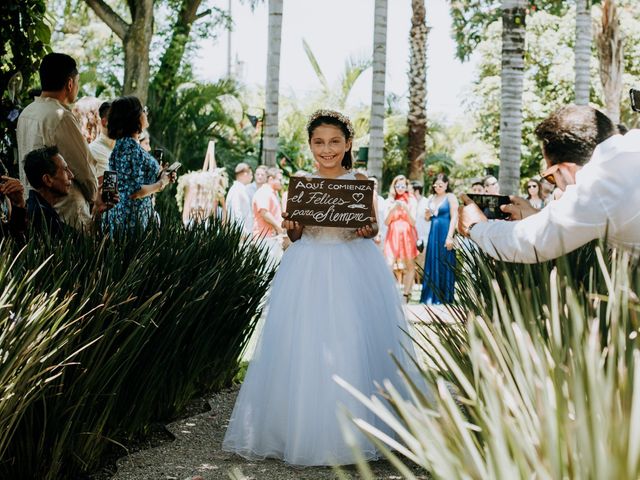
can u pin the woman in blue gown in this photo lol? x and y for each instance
(439, 280)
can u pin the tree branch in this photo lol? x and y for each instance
(108, 16)
(202, 15)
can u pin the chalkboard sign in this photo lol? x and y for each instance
(329, 202)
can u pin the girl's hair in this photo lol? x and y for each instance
(540, 192)
(336, 119)
(392, 187)
(124, 117)
(442, 177)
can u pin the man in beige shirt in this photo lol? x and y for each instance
(102, 146)
(48, 121)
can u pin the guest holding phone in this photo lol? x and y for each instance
(438, 281)
(139, 175)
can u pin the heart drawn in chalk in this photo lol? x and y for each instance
(358, 197)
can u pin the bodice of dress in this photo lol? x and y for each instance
(331, 234)
(443, 209)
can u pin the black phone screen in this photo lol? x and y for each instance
(490, 205)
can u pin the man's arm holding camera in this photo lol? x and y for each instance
(559, 228)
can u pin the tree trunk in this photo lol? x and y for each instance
(583, 51)
(610, 42)
(417, 118)
(376, 131)
(136, 40)
(165, 79)
(273, 83)
(512, 78)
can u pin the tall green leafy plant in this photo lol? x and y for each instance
(537, 378)
(105, 336)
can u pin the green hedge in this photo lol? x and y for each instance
(99, 338)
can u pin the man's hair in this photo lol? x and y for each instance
(38, 163)
(488, 178)
(571, 133)
(55, 70)
(272, 172)
(124, 117)
(241, 168)
(477, 182)
(103, 111)
(417, 186)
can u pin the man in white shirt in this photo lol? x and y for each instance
(599, 172)
(48, 121)
(238, 201)
(102, 146)
(260, 180)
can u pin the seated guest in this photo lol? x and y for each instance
(102, 146)
(51, 179)
(49, 121)
(139, 174)
(13, 214)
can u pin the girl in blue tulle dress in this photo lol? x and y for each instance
(334, 310)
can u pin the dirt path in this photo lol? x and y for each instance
(196, 452)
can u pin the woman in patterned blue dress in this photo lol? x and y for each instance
(139, 174)
(438, 281)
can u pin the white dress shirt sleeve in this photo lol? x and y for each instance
(575, 219)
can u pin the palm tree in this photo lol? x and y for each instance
(338, 95)
(512, 78)
(273, 82)
(610, 41)
(376, 132)
(583, 51)
(417, 118)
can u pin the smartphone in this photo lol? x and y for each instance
(635, 99)
(109, 186)
(158, 154)
(174, 167)
(490, 205)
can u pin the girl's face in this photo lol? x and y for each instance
(532, 188)
(328, 146)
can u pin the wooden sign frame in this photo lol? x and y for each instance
(329, 202)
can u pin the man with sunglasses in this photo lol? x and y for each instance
(597, 169)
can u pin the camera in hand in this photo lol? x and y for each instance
(490, 205)
(109, 186)
(158, 154)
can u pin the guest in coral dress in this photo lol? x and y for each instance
(400, 243)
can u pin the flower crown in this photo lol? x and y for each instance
(332, 114)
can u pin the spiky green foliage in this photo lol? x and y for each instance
(102, 337)
(537, 377)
